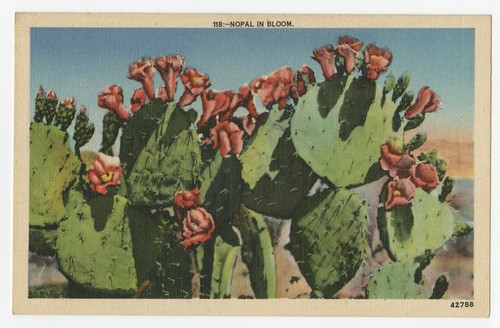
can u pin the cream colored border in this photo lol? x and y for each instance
(357, 308)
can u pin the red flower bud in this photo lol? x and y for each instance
(52, 95)
(41, 93)
(427, 101)
(106, 171)
(325, 56)
(189, 198)
(198, 226)
(425, 176)
(377, 61)
(142, 71)
(69, 102)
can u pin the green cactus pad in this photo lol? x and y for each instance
(276, 177)
(169, 162)
(225, 257)
(257, 252)
(100, 261)
(53, 168)
(408, 231)
(111, 125)
(172, 273)
(223, 198)
(138, 130)
(344, 146)
(396, 280)
(328, 240)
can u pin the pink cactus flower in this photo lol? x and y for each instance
(105, 172)
(138, 100)
(425, 176)
(142, 71)
(187, 198)
(213, 102)
(400, 193)
(111, 98)
(226, 136)
(198, 226)
(427, 102)
(52, 95)
(303, 77)
(394, 160)
(83, 110)
(377, 61)
(169, 68)
(69, 102)
(275, 87)
(325, 56)
(194, 84)
(348, 48)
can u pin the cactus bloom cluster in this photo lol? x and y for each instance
(406, 174)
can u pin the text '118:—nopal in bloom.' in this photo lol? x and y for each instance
(257, 24)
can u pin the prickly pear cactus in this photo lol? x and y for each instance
(225, 257)
(399, 280)
(53, 168)
(338, 128)
(169, 162)
(276, 178)
(257, 252)
(408, 231)
(98, 259)
(327, 239)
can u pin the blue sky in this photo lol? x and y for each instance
(79, 62)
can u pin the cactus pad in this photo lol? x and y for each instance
(343, 146)
(169, 162)
(276, 177)
(397, 281)
(98, 260)
(257, 252)
(225, 257)
(53, 168)
(328, 240)
(408, 231)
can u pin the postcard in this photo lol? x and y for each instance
(195, 164)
